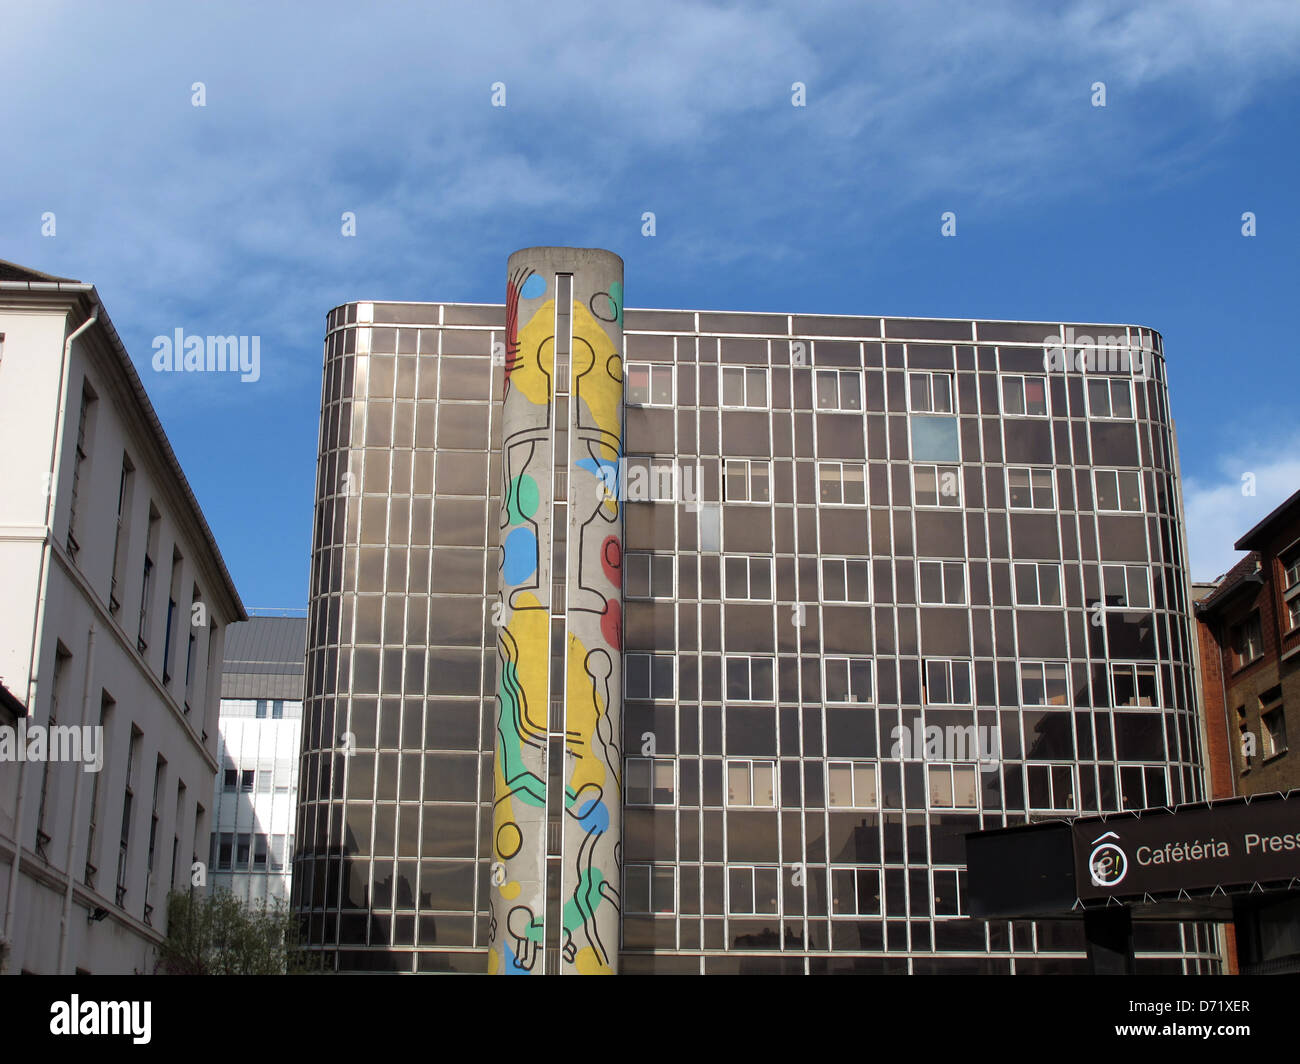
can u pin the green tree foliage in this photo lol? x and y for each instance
(214, 933)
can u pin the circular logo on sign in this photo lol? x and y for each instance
(1107, 863)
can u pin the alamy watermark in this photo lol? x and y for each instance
(179, 353)
(82, 743)
(971, 742)
(1083, 353)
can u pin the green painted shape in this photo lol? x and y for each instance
(523, 499)
(616, 301)
(589, 892)
(528, 788)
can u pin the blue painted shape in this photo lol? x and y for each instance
(521, 555)
(534, 287)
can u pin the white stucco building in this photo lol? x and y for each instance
(116, 606)
(257, 787)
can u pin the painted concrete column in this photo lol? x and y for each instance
(557, 819)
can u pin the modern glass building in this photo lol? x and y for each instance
(884, 582)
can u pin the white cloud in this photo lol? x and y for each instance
(1217, 512)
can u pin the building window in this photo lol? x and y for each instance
(749, 678)
(277, 709)
(947, 682)
(124, 486)
(649, 576)
(651, 781)
(851, 785)
(855, 892)
(751, 783)
(128, 801)
(929, 392)
(1050, 788)
(936, 485)
(748, 579)
(79, 463)
(1110, 397)
(1143, 787)
(649, 385)
(261, 709)
(841, 484)
(1029, 488)
(246, 780)
(1037, 583)
(1118, 490)
(744, 388)
(839, 389)
(58, 683)
(230, 778)
(243, 846)
(259, 852)
(146, 580)
(277, 862)
(848, 680)
(941, 583)
(651, 479)
(934, 438)
(651, 889)
(1044, 683)
(1134, 686)
(226, 852)
(652, 676)
(1024, 396)
(953, 786)
(747, 480)
(1127, 586)
(1291, 588)
(1247, 641)
(846, 580)
(1273, 722)
(753, 890)
(948, 889)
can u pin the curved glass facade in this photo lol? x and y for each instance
(885, 582)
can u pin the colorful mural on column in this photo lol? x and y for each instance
(591, 853)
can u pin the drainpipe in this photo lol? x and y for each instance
(76, 794)
(56, 455)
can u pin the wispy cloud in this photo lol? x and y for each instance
(1224, 505)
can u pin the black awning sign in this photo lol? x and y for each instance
(1194, 849)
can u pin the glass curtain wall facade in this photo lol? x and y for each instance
(886, 582)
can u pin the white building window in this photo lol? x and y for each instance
(747, 480)
(839, 389)
(651, 676)
(751, 783)
(651, 479)
(750, 678)
(842, 483)
(855, 892)
(650, 888)
(953, 786)
(936, 485)
(930, 392)
(650, 385)
(651, 781)
(1044, 683)
(947, 682)
(649, 576)
(1134, 685)
(1029, 488)
(941, 583)
(1050, 788)
(753, 890)
(1126, 586)
(1110, 397)
(1024, 395)
(747, 579)
(1117, 490)
(745, 388)
(948, 889)
(846, 580)
(851, 785)
(1036, 583)
(848, 680)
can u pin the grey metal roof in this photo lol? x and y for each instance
(264, 658)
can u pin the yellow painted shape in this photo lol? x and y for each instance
(536, 358)
(511, 890)
(600, 392)
(583, 706)
(529, 629)
(588, 963)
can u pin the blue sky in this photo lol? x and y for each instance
(226, 218)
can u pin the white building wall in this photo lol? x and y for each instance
(57, 600)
